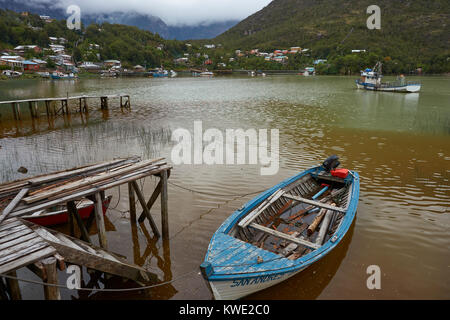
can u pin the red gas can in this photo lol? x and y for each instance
(340, 173)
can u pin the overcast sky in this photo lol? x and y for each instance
(172, 12)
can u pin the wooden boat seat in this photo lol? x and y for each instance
(314, 203)
(245, 222)
(285, 236)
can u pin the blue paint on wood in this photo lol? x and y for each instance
(241, 257)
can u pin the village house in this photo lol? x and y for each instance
(12, 61)
(138, 68)
(209, 46)
(112, 63)
(28, 65)
(21, 49)
(181, 60)
(87, 65)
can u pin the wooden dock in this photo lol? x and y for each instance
(43, 250)
(60, 106)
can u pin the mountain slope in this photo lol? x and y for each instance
(142, 21)
(410, 29)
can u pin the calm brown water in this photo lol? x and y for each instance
(399, 144)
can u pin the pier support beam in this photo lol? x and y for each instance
(51, 292)
(164, 205)
(145, 208)
(100, 221)
(104, 103)
(13, 286)
(72, 210)
(132, 201)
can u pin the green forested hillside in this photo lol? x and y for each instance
(414, 33)
(129, 44)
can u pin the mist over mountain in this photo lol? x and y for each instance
(131, 18)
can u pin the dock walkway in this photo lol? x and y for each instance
(43, 250)
(52, 109)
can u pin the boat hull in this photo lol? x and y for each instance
(234, 268)
(404, 89)
(238, 288)
(62, 216)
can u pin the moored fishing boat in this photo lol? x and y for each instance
(371, 80)
(59, 215)
(62, 76)
(276, 235)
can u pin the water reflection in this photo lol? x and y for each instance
(309, 284)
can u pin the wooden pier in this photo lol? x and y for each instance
(44, 251)
(60, 106)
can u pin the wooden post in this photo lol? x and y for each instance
(100, 221)
(16, 110)
(47, 107)
(85, 107)
(164, 205)
(132, 200)
(144, 207)
(152, 200)
(51, 292)
(121, 105)
(30, 106)
(72, 210)
(13, 285)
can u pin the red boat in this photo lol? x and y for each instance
(59, 215)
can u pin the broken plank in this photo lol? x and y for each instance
(315, 203)
(90, 180)
(78, 195)
(10, 207)
(285, 236)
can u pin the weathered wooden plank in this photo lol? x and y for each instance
(285, 236)
(12, 230)
(27, 259)
(10, 207)
(268, 202)
(99, 263)
(324, 227)
(14, 235)
(8, 224)
(20, 248)
(16, 241)
(78, 195)
(75, 171)
(314, 203)
(90, 180)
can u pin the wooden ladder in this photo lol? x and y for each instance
(78, 252)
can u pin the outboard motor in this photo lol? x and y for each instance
(331, 163)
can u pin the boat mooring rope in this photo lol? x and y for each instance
(102, 289)
(215, 194)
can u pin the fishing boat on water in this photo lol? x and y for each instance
(59, 215)
(206, 74)
(282, 231)
(160, 73)
(62, 76)
(371, 80)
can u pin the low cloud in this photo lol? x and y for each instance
(172, 12)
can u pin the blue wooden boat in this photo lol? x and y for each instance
(282, 231)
